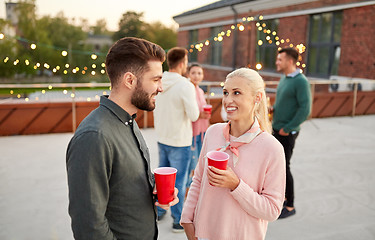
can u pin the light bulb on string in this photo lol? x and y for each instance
(258, 66)
(33, 46)
(64, 53)
(94, 56)
(1, 36)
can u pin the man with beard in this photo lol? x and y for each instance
(108, 163)
(175, 109)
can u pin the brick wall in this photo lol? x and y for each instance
(357, 45)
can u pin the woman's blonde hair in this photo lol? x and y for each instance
(256, 84)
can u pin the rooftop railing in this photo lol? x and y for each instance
(213, 91)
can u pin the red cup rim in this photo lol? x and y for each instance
(165, 170)
(218, 152)
(207, 105)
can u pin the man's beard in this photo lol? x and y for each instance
(141, 99)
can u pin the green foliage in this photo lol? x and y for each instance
(52, 35)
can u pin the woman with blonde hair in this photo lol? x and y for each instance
(238, 203)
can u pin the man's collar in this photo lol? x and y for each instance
(295, 73)
(121, 114)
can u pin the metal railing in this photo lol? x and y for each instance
(209, 85)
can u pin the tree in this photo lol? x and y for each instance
(160, 34)
(100, 28)
(131, 25)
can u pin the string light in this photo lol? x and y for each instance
(199, 46)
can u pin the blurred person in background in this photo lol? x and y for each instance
(195, 74)
(176, 107)
(292, 107)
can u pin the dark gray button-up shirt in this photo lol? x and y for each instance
(109, 177)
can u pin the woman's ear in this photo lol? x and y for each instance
(258, 97)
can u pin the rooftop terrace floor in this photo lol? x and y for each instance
(333, 167)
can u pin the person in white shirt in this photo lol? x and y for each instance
(176, 107)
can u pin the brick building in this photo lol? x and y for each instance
(335, 36)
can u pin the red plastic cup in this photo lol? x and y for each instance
(207, 108)
(165, 178)
(217, 159)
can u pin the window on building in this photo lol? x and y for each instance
(266, 42)
(193, 39)
(215, 47)
(324, 44)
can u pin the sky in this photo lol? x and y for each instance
(112, 10)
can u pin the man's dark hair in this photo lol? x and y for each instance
(131, 54)
(290, 52)
(175, 56)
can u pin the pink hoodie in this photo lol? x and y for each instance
(201, 125)
(221, 214)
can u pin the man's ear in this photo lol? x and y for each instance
(129, 80)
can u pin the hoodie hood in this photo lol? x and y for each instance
(170, 79)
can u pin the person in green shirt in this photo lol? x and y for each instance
(292, 107)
